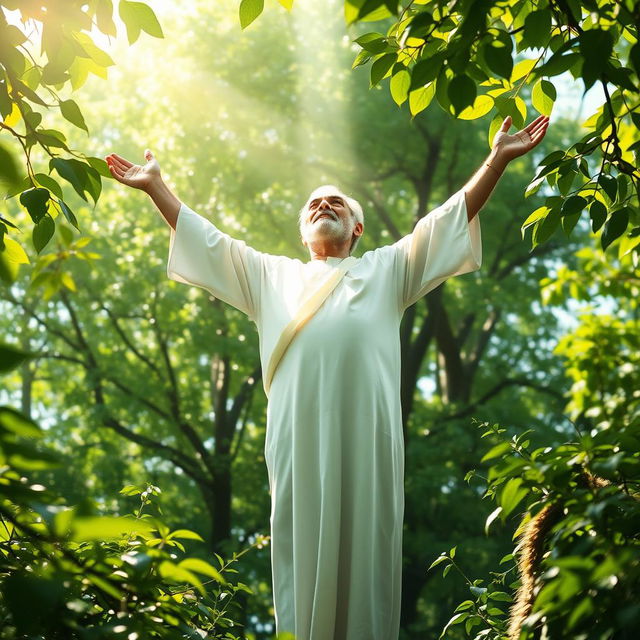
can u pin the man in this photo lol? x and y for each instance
(334, 445)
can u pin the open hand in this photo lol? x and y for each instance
(511, 146)
(134, 175)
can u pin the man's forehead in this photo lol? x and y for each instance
(325, 191)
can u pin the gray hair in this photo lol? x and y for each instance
(352, 204)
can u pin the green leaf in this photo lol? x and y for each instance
(598, 214)
(130, 490)
(48, 183)
(419, 99)
(372, 42)
(498, 450)
(185, 534)
(99, 165)
(537, 28)
(557, 64)
(200, 566)
(566, 177)
(569, 222)
(439, 560)
(287, 4)
(609, 185)
(595, 46)
(104, 18)
(43, 232)
(381, 67)
(426, 70)
(136, 16)
(461, 92)
(573, 204)
(500, 596)
(539, 214)
(175, 573)
(477, 591)
(83, 177)
(634, 57)
(10, 358)
(6, 104)
(362, 58)
(543, 96)
(457, 619)
(100, 57)
(492, 516)
(17, 423)
(13, 252)
(35, 201)
(615, 226)
(249, 11)
(68, 214)
(400, 83)
(463, 606)
(496, 123)
(511, 495)
(51, 138)
(372, 10)
(498, 59)
(106, 586)
(9, 175)
(72, 113)
(480, 107)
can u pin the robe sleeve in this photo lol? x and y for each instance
(442, 244)
(202, 255)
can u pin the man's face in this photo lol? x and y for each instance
(327, 217)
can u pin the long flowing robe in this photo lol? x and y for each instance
(334, 446)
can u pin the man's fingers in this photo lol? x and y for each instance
(539, 129)
(115, 172)
(124, 161)
(120, 165)
(540, 123)
(534, 123)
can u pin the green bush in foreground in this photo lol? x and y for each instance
(67, 572)
(578, 543)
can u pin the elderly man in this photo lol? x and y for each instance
(334, 445)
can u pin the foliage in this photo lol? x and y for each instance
(477, 57)
(601, 354)
(68, 572)
(31, 83)
(589, 578)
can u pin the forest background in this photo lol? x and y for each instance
(143, 382)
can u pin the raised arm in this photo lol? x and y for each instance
(505, 148)
(147, 178)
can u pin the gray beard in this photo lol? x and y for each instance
(328, 228)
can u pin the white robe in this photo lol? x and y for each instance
(334, 446)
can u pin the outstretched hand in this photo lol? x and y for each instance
(134, 175)
(510, 146)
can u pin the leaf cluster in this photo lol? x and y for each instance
(69, 572)
(30, 83)
(589, 571)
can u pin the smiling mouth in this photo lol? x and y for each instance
(324, 215)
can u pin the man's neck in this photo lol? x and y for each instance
(322, 253)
